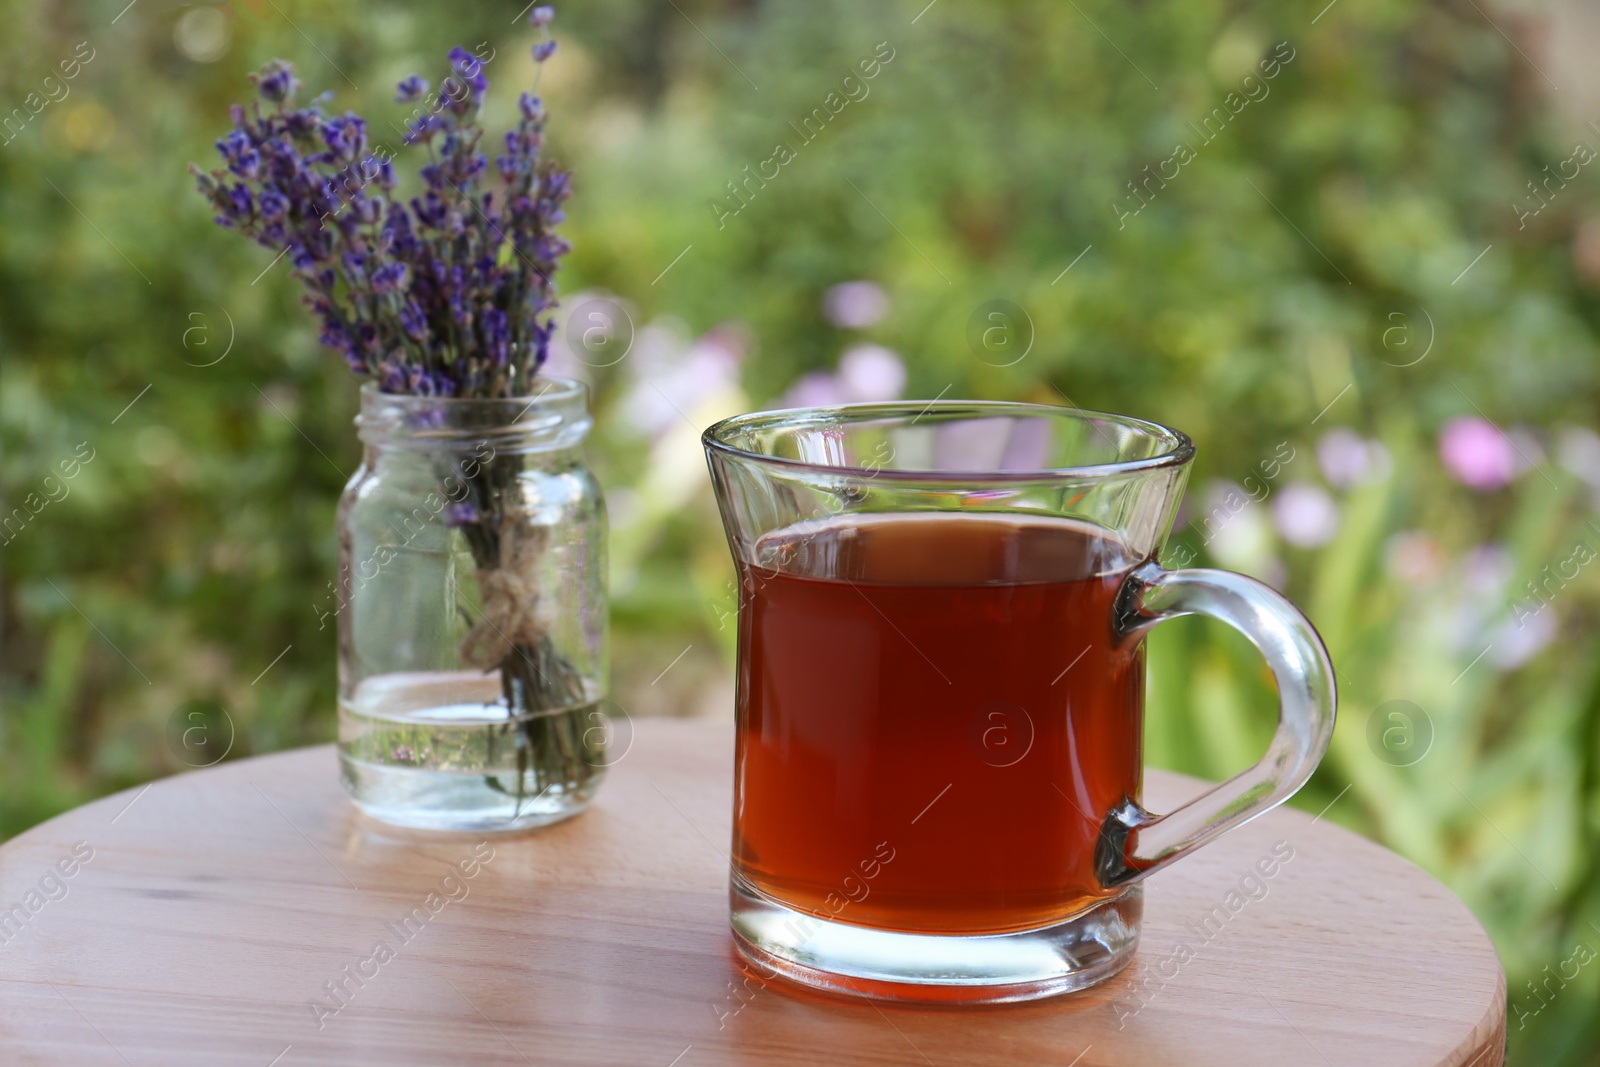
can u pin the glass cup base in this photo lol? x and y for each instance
(890, 965)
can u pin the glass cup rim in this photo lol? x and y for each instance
(1179, 447)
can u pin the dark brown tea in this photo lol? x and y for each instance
(935, 717)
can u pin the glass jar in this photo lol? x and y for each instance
(471, 611)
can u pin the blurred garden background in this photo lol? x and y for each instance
(1353, 250)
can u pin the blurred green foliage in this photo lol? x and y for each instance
(1286, 281)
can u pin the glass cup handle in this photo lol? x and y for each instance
(1133, 842)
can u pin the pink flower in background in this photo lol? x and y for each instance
(672, 377)
(1347, 459)
(1305, 515)
(866, 374)
(1415, 558)
(1234, 530)
(817, 389)
(1578, 450)
(1476, 596)
(855, 305)
(871, 373)
(1515, 642)
(1485, 570)
(1477, 453)
(1029, 447)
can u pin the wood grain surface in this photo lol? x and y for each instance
(206, 917)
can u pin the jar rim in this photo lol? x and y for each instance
(555, 388)
(554, 417)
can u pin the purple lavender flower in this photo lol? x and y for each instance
(283, 162)
(434, 383)
(394, 379)
(548, 248)
(424, 129)
(430, 210)
(346, 136)
(496, 336)
(456, 96)
(541, 16)
(383, 174)
(365, 209)
(423, 296)
(543, 51)
(410, 90)
(335, 336)
(470, 70)
(413, 321)
(302, 124)
(397, 238)
(471, 167)
(541, 342)
(240, 154)
(277, 81)
(390, 278)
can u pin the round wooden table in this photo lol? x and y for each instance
(248, 915)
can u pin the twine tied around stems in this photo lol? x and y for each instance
(513, 610)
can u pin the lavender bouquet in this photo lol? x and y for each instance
(446, 295)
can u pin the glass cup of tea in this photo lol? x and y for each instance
(940, 692)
